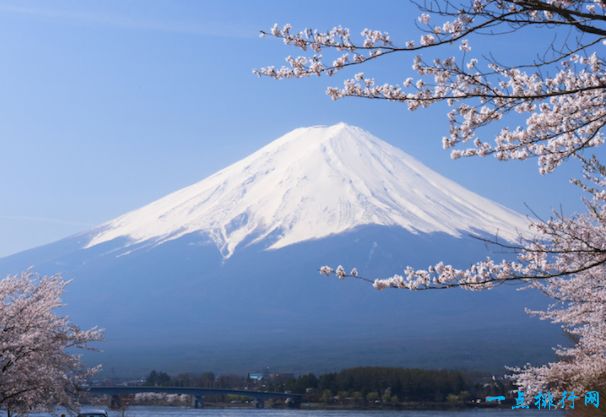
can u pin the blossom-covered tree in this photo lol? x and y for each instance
(38, 368)
(561, 96)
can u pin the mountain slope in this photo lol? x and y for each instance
(309, 184)
(222, 275)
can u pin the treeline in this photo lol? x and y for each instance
(203, 380)
(379, 384)
(362, 385)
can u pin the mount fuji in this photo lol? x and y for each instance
(222, 275)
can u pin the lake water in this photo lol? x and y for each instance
(137, 411)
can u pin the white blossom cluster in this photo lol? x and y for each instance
(564, 112)
(37, 369)
(163, 398)
(580, 311)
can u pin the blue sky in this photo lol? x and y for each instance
(108, 105)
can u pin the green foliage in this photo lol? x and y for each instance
(372, 396)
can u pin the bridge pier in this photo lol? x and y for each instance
(197, 401)
(259, 403)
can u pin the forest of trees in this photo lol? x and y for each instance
(405, 384)
(375, 385)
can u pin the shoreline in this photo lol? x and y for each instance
(336, 407)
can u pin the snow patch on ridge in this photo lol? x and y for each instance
(312, 183)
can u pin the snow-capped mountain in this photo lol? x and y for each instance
(222, 275)
(309, 184)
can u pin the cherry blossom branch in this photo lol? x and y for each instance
(421, 280)
(480, 95)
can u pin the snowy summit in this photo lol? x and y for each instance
(311, 183)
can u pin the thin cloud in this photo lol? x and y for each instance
(222, 30)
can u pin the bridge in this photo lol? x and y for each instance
(197, 394)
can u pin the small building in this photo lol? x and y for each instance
(256, 376)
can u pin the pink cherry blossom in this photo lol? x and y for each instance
(38, 369)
